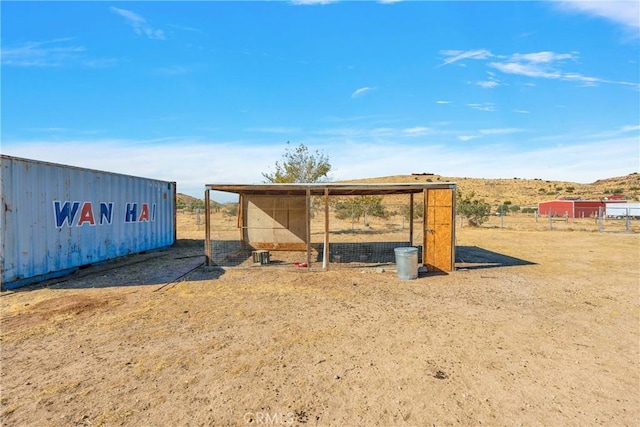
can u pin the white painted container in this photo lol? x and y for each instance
(56, 218)
(622, 210)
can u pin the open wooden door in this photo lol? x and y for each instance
(438, 252)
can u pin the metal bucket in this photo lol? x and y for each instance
(407, 263)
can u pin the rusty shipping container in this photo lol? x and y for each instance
(57, 218)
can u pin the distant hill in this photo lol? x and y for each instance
(186, 200)
(527, 192)
(518, 191)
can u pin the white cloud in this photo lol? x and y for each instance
(365, 133)
(543, 57)
(417, 131)
(500, 131)
(521, 111)
(547, 65)
(588, 81)
(617, 132)
(382, 132)
(491, 81)
(195, 162)
(361, 91)
(467, 137)
(275, 130)
(172, 71)
(488, 132)
(543, 64)
(626, 13)
(630, 128)
(443, 102)
(47, 130)
(458, 55)
(183, 28)
(312, 2)
(139, 24)
(488, 84)
(485, 106)
(588, 161)
(526, 69)
(50, 53)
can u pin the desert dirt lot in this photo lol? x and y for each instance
(534, 328)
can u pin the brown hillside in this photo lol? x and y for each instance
(521, 192)
(525, 192)
(185, 200)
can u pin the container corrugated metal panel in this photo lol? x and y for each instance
(623, 209)
(55, 218)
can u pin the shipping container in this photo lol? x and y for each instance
(57, 218)
(623, 210)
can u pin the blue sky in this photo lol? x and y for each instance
(210, 92)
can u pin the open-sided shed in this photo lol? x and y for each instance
(278, 216)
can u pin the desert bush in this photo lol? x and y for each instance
(360, 206)
(418, 211)
(476, 211)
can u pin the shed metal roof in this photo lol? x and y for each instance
(334, 189)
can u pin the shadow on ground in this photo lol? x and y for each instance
(473, 258)
(184, 261)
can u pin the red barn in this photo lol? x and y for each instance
(572, 208)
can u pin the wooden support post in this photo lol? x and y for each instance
(308, 236)
(454, 199)
(425, 229)
(241, 220)
(325, 249)
(207, 227)
(411, 219)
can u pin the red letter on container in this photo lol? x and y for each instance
(86, 214)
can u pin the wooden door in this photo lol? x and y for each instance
(439, 235)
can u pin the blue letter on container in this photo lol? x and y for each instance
(66, 213)
(106, 213)
(130, 214)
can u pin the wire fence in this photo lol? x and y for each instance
(359, 239)
(357, 236)
(618, 220)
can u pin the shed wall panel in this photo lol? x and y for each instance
(275, 222)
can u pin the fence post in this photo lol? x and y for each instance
(550, 220)
(599, 220)
(627, 225)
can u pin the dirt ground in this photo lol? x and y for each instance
(533, 328)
